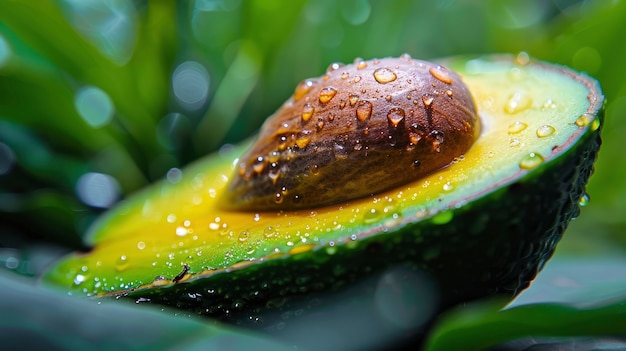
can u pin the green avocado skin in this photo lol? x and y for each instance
(493, 245)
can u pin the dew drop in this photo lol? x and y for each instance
(259, 165)
(427, 100)
(363, 110)
(372, 216)
(530, 161)
(181, 231)
(141, 245)
(303, 142)
(517, 102)
(334, 66)
(342, 104)
(388, 98)
(395, 116)
(443, 217)
(517, 127)
(327, 94)
(307, 112)
(440, 74)
(449, 92)
(278, 198)
(345, 75)
(360, 64)
(243, 236)
(584, 200)
(448, 187)
(357, 79)
(584, 120)
(384, 75)
(303, 88)
(545, 131)
(269, 231)
(353, 99)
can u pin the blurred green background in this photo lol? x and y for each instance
(100, 98)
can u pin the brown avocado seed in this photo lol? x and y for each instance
(356, 131)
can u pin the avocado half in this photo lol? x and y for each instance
(482, 226)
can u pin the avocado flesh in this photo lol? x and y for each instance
(484, 225)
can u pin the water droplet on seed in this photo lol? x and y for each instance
(395, 116)
(345, 75)
(384, 75)
(303, 142)
(307, 112)
(440, 74)
(357, 79)
(353, 99)
(334, 66)
(363, 110)
(427, 100)
(259, 165)
(532, 160)
(545, 131)
(303, 88)
(327, 94)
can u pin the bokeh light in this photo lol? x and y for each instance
(190, 83)
(7, 158)
(5, 51)
(94, 106)
(97, 189)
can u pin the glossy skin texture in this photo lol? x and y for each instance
(358, 130)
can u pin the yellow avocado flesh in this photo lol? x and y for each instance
(530, 113)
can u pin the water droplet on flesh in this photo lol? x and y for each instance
(545, 131)
(584, 120)
(530, 161)
(303, 88)
(517, 102)
(584, 200)
(517, 127)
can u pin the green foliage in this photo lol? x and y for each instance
(253, 53)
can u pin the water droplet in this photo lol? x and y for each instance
(549, 104)
(360, 64)
(427, 100)
(517, 103)
(303, 88)
(517, 127)
(259, 165)
(545, 131)
(448, 187)
(530, 161)
(584, 200)
(364, 110)
(440, 74)
(372, 216)
(449, 92)
(384, 75)
(269, 231)
(595, 124)
(345, 75)
(79, 279)
(243, 236)
(395, 116)
(357, 79)
(522, 58)
(584, 120)
(301, 248)
(141, 245)
(443, 217)
(515, 142)
(353, 99)
(278, 198)
(303, 142)
(388, 98)
(334, 66)
(171, 218)
(327, 94)
(307, 112)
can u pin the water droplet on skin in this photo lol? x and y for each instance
(353, 99)
(449, 92)
(530, 161)
(269, 231)
(584, 200)
(584, 120)
(307, 112)
(545, 131)
(388, 98)
(384, 75)
(303, 88)
(334, 66)
(327, 94)
(345, 75)
(278, 198)
(514, 142)
(440, 74)
(181, 231)
(517, 102)
(406, 56)
(364, 110)
(427, 100)
(342, 104)
(395, 116)
(357, 79)
(517, 127)
(360, 64)
(549, 104)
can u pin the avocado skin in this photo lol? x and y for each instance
(493, 246)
